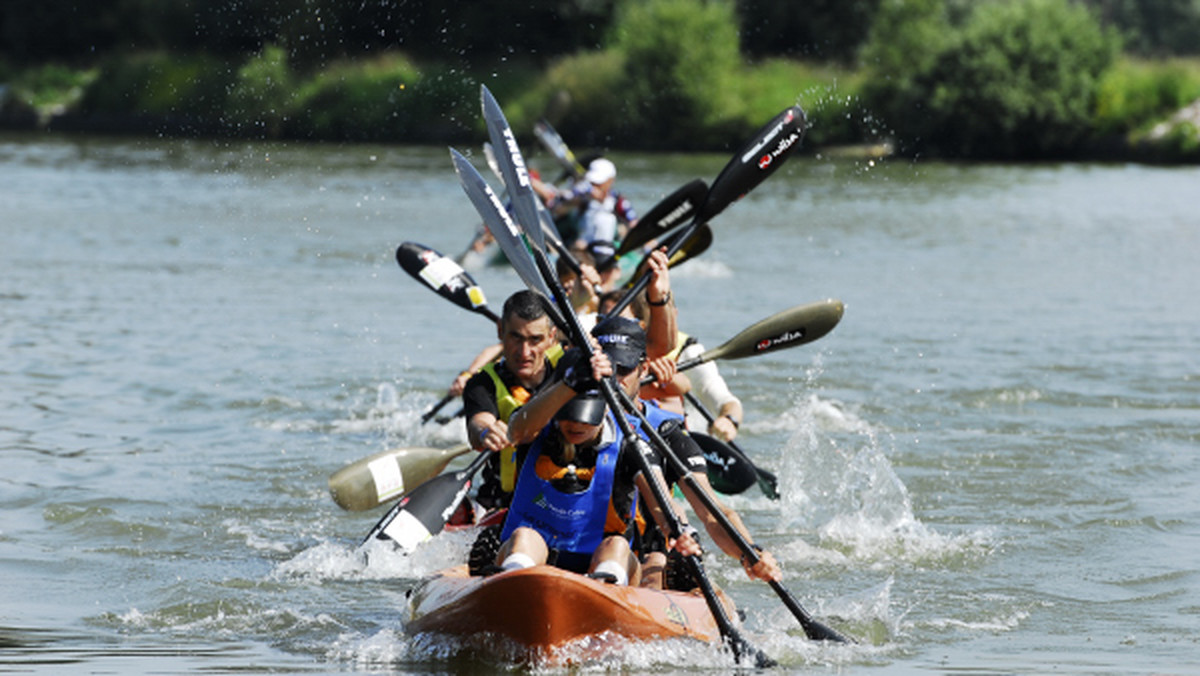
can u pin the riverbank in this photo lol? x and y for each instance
(1146, 112)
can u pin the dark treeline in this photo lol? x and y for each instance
(967, 78)
(317, 31)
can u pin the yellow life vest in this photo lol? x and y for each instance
(681, 341)
(507, 402)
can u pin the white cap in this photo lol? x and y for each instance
(601, 170)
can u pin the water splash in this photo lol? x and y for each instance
(838, 481)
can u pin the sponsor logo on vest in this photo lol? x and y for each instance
(542, 503)
(783, 339)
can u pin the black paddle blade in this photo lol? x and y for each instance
(444, 276)
(699, 241)
(729, 472)
(671, 212)
(424, 511)
(757, 160)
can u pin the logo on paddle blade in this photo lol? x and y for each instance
(766, 160)
(780, 340)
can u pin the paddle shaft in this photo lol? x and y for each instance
(428, 415)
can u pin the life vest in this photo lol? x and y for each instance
(655, 415)
(507, 402)
(569, 522)
(682, 340)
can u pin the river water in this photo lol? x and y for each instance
(989, 466)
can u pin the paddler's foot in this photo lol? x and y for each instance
(606, 578)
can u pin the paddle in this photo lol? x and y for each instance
(733, 473)
(558, 148)
(374, 480)
(446, 278)
(757, 160)
(510, 243)
(671, 212)
(423, 512)
(737, 464)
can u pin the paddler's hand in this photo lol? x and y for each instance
(723, 429)
(663, 369)
(686, 543)
(766, 569)
(494, 437)
(660, 282)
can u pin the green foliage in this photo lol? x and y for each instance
(828, 94)
(679, 55)
(580, 92)
(262, 94)
(50, 88)
(387, 98)
(160, 85)
(1018, 80)
(1135, 93)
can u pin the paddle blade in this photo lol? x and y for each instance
(424, 511)
(671, 212)
(796, 326)
(374, 480)
(512, 167)
(497, 221)
(446, 277)
(757, 160)
(550, 138)
(695, 245)
(729, 472)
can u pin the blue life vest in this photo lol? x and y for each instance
(571, 522)
(655, 415)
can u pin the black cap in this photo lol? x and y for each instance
(604, 254)
(586, 407)
(623, 340)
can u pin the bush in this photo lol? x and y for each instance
(262, 96)
(1137, 93)
(1019, 80)
(166, 87)
(681, 61)
(387, 98)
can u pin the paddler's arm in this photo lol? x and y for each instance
(525, 424)
(489, 354)
(661, 327)
(766, 569)
(686, 544)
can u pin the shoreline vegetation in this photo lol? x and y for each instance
(1019, 80)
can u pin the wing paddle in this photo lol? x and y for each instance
(423, 512)
(757, 160)
(370, 482)
(444, 276)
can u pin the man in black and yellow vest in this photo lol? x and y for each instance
(529, 350)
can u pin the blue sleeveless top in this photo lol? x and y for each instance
(571, 522)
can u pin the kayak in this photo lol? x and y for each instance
(549, 615)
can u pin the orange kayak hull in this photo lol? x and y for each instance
(543, 609)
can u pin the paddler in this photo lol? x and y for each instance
(624, 341)
(574, 502)
(529, 348)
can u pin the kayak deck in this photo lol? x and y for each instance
(543, 609)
